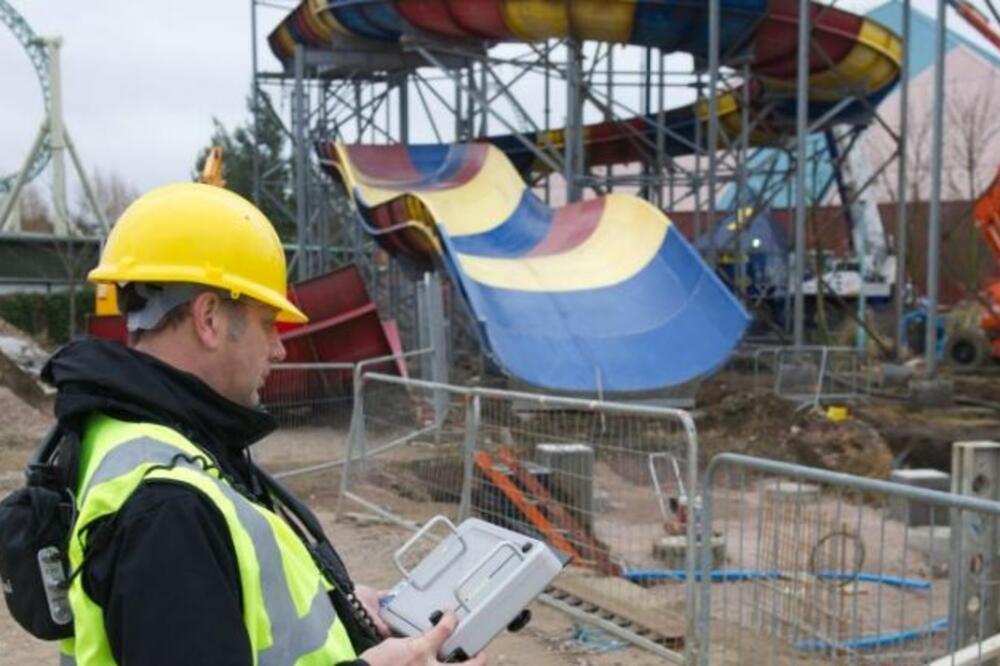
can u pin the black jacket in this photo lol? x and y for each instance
(167, 579)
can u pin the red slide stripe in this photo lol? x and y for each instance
(571, 225)
(384, 164)
(834, 35)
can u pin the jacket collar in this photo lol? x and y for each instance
(98, 375)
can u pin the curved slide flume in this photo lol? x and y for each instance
(604, 295)
(854, 61)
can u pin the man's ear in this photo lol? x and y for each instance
(208, 320)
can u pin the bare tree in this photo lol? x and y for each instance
(113, 196)
(974, 128)
(35, 212)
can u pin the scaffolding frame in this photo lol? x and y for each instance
(463, 91)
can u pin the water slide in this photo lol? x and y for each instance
(603, 295)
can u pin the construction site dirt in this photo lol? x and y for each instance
(877, 435)
(365, 542)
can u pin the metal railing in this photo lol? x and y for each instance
(805, 565)
(812, 375)
(315, 406)
(607, 484)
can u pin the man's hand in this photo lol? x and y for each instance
(369, 596)
(418, 651)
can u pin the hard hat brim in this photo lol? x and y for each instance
(287, 311)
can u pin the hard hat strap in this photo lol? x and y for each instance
(160, 299)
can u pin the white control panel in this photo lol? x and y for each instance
(486, 574)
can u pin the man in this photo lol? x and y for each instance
(183, 551)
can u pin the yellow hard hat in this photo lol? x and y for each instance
(207, 235)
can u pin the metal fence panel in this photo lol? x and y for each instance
(800, 565)
(608, 485)
(812, 374)
(407, 448)
(314, 405)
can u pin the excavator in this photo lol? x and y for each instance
(970, 348)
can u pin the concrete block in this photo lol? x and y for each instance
(931, 393)
(672, 551)
(916, 514)
(572, 476)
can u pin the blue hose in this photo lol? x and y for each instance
(680, 575)
(862, 577)
(744, 575)
(888, 639)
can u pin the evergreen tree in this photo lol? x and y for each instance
(277, 200)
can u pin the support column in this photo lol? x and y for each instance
(934, 227)
(646, 189)
(255, 101)
(433, 333)
(801, 146)
(300, 147)
(574, 121)
(902, 196)
(404, 109)
(57, 139)
(743, 195)
(713, 123)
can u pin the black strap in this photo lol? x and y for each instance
(358, 623)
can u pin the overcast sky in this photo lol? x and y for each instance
(142, 80)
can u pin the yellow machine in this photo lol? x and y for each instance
(211, 172)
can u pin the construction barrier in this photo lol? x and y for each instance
(755, 562)
(610, 486)
(800, 564)
(314, 404)
(812, 375)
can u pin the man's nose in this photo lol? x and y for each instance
(277, 349)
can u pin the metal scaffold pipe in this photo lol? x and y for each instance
(574, 120)
(713, 121)
(802, 125)
(902, 198)
(934, 230)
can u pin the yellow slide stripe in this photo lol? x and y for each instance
(871, 64)
(535, 20)
(481, 204)
(627, 238)
(602, 21)
(321, 10)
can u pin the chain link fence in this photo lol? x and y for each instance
(788, 564)
(610, 486)
(800, 565)
(314, 405)
(812, 375)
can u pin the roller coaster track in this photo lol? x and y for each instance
(40, 61)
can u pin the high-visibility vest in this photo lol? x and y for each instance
(286, 608)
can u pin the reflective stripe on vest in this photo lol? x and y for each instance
(292, 637)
